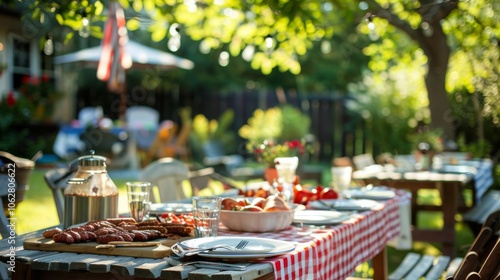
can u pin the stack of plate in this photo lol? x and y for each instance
(256, 248)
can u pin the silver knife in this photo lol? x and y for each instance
(218, 265)
(114, 244)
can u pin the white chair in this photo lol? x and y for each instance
(167, 175)
(142, 118)
(89, 116)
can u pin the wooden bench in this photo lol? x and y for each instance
(430, 267)
(482, 260)
(476, 217)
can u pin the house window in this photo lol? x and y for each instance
(28, 62)
(21, 61)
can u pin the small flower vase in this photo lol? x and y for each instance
(271, 174)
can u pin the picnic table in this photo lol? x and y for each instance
(450, 181)
(326, 252)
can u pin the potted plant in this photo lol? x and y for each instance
(279, 124)
(426, 143)
(276, 132)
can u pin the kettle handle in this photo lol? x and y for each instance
(76, 181)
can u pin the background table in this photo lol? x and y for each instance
(451, 186)
(330, 253)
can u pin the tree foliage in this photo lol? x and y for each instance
(461, 35)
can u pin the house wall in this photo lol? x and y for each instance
(8, 25)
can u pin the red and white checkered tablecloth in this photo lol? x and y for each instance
(334, 252)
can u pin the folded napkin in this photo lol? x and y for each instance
(404, 241)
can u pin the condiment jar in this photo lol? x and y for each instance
(91, 194)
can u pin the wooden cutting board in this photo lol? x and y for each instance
(161, 251)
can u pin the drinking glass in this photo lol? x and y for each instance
(138, 199)
(206, 215)
(341, 178)
(286, 168)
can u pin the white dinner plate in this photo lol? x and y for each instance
(257, 247)
(320, 217)
(177, 208)
(375, 193)
(344, 204)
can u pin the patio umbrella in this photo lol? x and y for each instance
(117, 53)
(142, 57)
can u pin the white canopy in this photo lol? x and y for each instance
(141, 56)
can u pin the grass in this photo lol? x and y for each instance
(38, 211)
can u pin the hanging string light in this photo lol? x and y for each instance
(269, 43)
(326, 47)
(372, 31)
(205, 47)
(248, 52)
(48, 46)
(174, 43)
(85, 28)
(427, 29)
(224, 59)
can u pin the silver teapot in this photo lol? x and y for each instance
(91, 194)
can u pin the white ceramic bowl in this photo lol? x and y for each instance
(257, 221)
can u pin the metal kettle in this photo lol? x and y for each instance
(91, 194)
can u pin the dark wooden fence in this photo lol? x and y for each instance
(336, 130)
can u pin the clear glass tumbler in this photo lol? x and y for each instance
(138, 200)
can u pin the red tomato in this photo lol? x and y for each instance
(303, 196)
(329, 194)
(319, 189)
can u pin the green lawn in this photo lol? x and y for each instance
(38, 211)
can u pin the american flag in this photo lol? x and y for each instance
(114, 58)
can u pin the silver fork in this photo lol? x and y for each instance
(186, 253)
(241, 245)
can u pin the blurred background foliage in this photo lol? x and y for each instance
(327, 47)
(279, 124)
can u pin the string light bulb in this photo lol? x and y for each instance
(224, 59)
(427, 29)
(372, 30)
(326, 47)
(174, 43)
(269, 42)
(85, 29)
(48, 46)
(248, 52)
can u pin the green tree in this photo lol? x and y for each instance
(282, 31)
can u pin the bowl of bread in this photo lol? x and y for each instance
(257, 215)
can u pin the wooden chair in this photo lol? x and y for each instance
(482, 260)
(476, 216)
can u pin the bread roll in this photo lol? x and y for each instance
(275, 203)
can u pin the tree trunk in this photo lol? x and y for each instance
(437, 51)
(434, 43)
